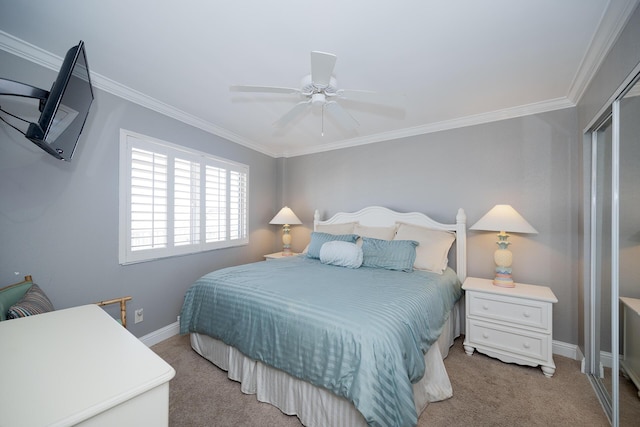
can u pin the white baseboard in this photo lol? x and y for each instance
(567, 350)
(560, 348)
(161, 334)
(606, 359)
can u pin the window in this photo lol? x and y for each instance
(176, 201)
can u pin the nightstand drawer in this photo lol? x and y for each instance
(512, 341)
(507, 309)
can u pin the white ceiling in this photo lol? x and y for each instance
(457, 62)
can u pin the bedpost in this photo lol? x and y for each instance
(316, 218)
(461, 244)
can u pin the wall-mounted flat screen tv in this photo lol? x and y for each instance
(66, 108)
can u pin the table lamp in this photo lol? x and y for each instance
(285, 217)
(503, 218)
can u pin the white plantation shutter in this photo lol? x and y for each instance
(186, 202)
(176, 201)
(216, 204)
(237, 210)
(148, 200)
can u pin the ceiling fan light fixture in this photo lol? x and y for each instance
(308, 87)
(318, 99)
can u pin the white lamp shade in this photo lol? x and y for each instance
(285, 216)
(504, 218)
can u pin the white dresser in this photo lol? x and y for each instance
(79, 367)
(630, 360)
(514, 325)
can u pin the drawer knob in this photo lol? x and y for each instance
(485, 307)
(485, 335)
(526, 345)
(527, 314)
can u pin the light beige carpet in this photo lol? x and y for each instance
(487, 392)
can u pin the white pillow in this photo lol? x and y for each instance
(343, 254)
(433, 249)
(345, 228)
(381, 233)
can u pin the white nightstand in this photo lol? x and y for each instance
(511, 324)
(279, 255)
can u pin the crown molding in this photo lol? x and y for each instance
(25, 50)
(477, 119)
(141, 99)
(613, 21)
(611, 24)
(635, 91)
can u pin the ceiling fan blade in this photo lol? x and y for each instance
(341, 115)
(393, 99)
(322, 67)
(298, 109)
(264, 89)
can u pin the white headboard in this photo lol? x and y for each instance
(378, 216)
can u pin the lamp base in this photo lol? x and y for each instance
(503, 278)
(286, 240)
(504, 283)
(503, 259)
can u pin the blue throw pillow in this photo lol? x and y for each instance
(389, 254)
(319, 239)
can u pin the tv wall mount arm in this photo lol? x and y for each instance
(10, 87)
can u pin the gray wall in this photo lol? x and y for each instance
(59, 221)
(618, 65)
(528, 162)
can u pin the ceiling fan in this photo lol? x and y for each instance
(318, 89)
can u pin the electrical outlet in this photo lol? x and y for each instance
(139, 316)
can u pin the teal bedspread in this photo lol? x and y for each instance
(361, 333)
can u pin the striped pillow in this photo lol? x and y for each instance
(319, 239)
(33, 302)
(389, 254)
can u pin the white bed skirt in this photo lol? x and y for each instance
(316, 406)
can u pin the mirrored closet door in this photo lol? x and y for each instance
(601, 254)
(629, 257)
(613, 359)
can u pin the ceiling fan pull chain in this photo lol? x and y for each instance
(322, 130)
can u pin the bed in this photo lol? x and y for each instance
(334, 343)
